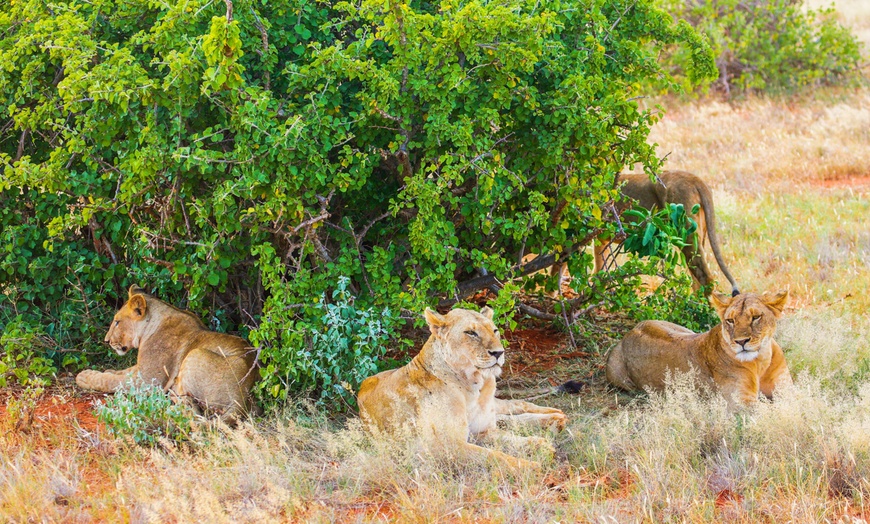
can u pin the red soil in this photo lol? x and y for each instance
(537, 350)
(60, 419)
(853, 182)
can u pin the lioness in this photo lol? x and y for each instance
(738, 357)
(679, 187)
(213, 370)
(447, 392)
(673, 187)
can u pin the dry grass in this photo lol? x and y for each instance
(764, 144)
(791, 183)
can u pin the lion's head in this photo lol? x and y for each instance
(126, 328)
(749, 322)
(469, 342)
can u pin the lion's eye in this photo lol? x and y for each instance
(117, 322)
(473, 334)
(755, 317)
(729, 321)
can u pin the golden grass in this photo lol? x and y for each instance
(762, 143)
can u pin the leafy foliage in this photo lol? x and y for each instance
(243, 160)
(658, 237)
(659, 233)
(26, 356)
(340, 347)
(770, 46)
(144, 414)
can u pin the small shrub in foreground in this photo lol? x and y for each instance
(330, 356)
(144, 414)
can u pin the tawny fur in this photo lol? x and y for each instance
(673, 187)
(738, 357)
(446, 394)
(210, 370)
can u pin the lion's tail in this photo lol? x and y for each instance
(710, 214)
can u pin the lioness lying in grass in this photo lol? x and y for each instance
(446, 394)
(738, 357)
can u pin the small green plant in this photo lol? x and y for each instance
(330, 356)
(656, 240)
(20, 409)
(22, 359)
(143, 413)
(661, 233)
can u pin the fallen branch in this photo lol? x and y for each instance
(469, 287)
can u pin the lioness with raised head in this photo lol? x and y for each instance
(676, 187)
(210, 370)
(447, 392)
(738, 357)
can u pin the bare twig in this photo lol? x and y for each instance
(311, 221)
(21, 142)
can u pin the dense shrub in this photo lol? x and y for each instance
(771, 46)
(240, 157)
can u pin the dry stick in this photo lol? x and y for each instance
(470, 286)
(21, 141)
(265, 38)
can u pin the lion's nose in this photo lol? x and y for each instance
(742, 342)
(496, 354)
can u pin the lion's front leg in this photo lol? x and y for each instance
(520, 411)
(776, 374)
(498, 457)
(106, 381)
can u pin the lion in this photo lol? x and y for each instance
(679, 187)
(737, 357)
(208, 370)
(673, 187)
(446, 393)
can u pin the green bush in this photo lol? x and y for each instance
(770, 46)
(144, 414)
(242, 161)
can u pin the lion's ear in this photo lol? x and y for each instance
(437, 323)
(720, 302)
(134, 290)
(138, 305)
(776, 302)
(487, 312)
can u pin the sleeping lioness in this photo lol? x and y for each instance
(738, 357)
(446, 394)
(209, 370)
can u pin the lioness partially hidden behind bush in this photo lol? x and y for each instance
(738, 357)
(446, 394)
(209, 370)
